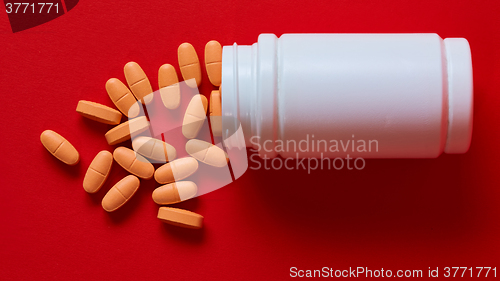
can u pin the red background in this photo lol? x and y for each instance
(394, 214)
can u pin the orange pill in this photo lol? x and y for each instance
(99, 112)
(169, 86)
(120, 193)
(122, 98)
(216, 113)
(60, 147)
(98, 171)
(174, 192)
(179, 217)
(207, 153)
(138, 82)
(124, 131)
(189, 63)
(133, 162)
(176, 170)
(154, 149)
(213, 62)
(195, 115)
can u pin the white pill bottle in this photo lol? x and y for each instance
(362, 95)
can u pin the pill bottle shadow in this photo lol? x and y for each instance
(399, 200)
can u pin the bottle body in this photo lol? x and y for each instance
(362, 95)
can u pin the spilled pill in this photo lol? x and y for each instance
(124, 131)
(122, 98)
(189, 63)
(216, 113)
(167, 75)
(99, 112)
(60, 147)
(154, 149)
(169, 86)
(120, 193)
(174, 192)
(195, 115)
(133, 162)
(207, 153)
(98, 171)
(179, 217)
(213, 62)
(138, 82)
(176, 170)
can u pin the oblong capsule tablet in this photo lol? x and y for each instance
(168, 83)
(133, 162)
(216, 113)
(124, 131)
(213, 62)
(189, 63)
(98, 171)
(179, 217)
(176, 170)
(195, 115)
(138, 82)
(120, 193)
(122, 98)
(58, 146)
(174, 192)
(99, 112)
(154, 149)
(207, 153)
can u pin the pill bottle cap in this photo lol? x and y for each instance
(460, 95)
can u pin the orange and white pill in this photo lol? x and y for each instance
(179, 217)
(138, 82)
(189, 63)
(120, 193)
(99, 112)
(154, 149)
(98, 171)
(216, 113)
(168, 83)
(207, 153)
(133, 162)
(58, 146)
(124, 131)
(174, 192)
(213, 62)
(176, 170)
(194, 118)
(122, 98)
